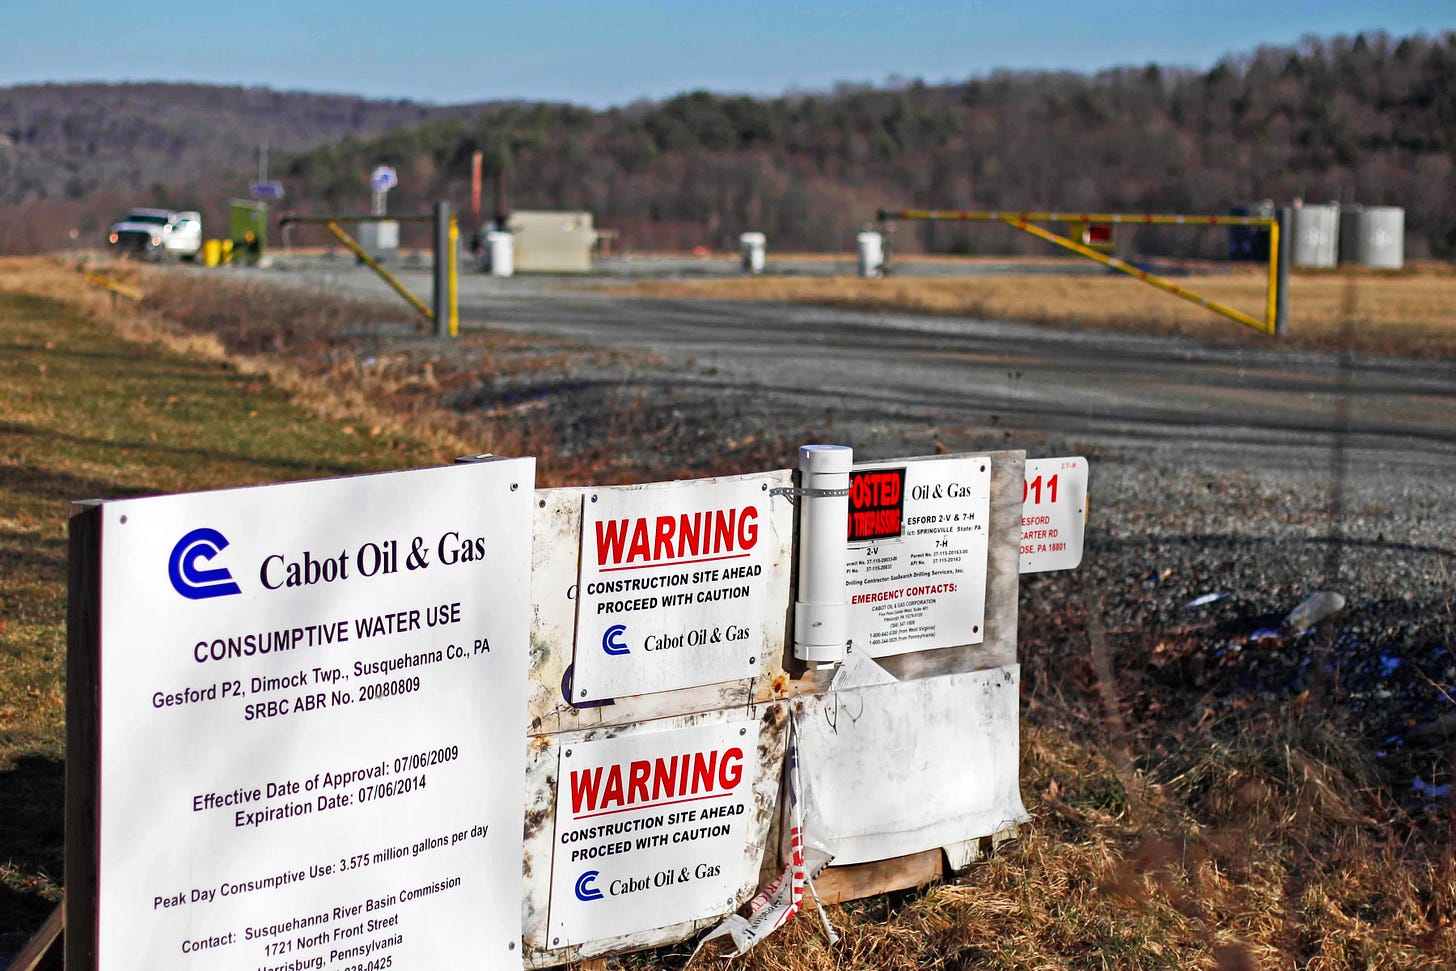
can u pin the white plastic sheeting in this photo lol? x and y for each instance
(896, 769)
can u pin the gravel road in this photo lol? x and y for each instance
(1244, 471)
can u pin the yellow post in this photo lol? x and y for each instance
(454, 273)
(1272, 309)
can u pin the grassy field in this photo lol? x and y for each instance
(1410, 312)
(1256, 838)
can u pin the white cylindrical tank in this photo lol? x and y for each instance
(502, 248)
(1317, 235)
(871, 255)
(1379, 237)
(751, 245)
(821, 627)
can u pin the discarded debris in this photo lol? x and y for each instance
(1315, 608)
(1205, 600)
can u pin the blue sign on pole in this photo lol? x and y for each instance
(266, 190)
(383, 178)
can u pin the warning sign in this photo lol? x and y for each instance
(673, 586)
(876, 503)
(923, 585)
(650, 830)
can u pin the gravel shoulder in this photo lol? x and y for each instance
(1229, 481)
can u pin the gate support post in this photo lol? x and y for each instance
(1283, 252)
(442, 269)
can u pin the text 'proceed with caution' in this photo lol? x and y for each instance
(673, 586)
(652, 829)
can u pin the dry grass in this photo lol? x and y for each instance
(1410, 312)
(1260, 854)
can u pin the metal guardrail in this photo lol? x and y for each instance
(1275, 297)
(446, 315)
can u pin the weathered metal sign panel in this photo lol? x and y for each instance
(916, 573)
(555, 570)
(674, 586)
(1054, 514)
(308, 698)
(571, 854)
(894, 769)
(650, 829)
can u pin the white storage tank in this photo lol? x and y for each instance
(751, 246)
(1317, 235)
(502, 249)
(1375, 237)
(871, 255)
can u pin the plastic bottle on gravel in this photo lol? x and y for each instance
(1315, 608)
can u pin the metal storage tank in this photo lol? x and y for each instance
(500, 248)
(1317, 235)
(1376, 237)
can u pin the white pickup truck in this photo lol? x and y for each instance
(158, 233)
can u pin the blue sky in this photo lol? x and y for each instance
(603, 54)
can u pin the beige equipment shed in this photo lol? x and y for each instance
(549, 241)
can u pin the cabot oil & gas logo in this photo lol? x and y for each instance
(585, 886)
(612, 641)
(196, 582)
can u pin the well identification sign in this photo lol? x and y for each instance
(918, 535)
(1053, 514)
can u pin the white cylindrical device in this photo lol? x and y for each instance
(751, 246)
(821, 628)
(871, 255)
(502, 253)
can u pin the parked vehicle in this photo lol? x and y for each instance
(158, 233)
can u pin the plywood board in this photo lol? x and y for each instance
(840, 883)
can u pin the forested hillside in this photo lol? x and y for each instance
(1369, 119)
(70, 154)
